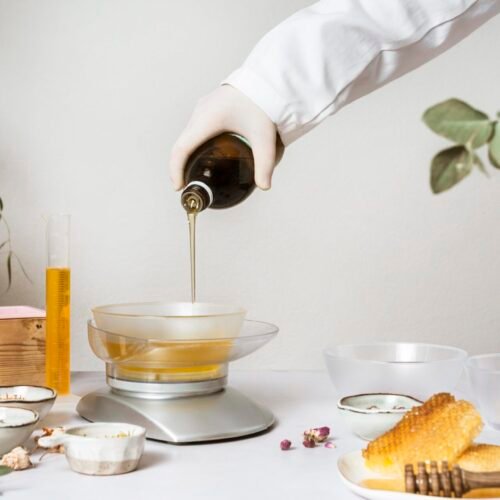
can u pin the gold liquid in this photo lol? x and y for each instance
(398, 485)
(57, 342)
(384, 484)
(192, 251)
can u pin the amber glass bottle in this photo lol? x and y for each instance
(220, 173)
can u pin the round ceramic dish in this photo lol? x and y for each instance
(100, 449)
(16, 426)
(370, 415)
(31, 397)
(419, 370)
(171, 320)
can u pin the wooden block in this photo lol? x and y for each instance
(22, 346)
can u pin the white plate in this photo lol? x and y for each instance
(352, 472)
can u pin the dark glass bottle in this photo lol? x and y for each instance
(220, 173)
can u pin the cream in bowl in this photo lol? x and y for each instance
(100, 449)
(30, 397)
(370, 415)
(16, 426)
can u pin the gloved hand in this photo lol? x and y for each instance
(226, 109)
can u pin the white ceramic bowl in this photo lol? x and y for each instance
(370, 415)
(171, 320)
(100, 449)
(419, 370)
(31, 397)
(16, 426)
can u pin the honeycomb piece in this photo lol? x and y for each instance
(481, 458)
(441, 429)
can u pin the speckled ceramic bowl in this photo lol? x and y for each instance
(31, 397)
(16, 426)
(101, 449)
(370, 415)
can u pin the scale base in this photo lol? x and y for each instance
(223, 415)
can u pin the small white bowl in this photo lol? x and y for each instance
(100, 449)
(370, 415)
(16, 426)
(30, 397)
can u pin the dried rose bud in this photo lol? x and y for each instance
(309, 443)
(317, 434)
(285, 444)
(330, 444)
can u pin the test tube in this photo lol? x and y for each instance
(57, 287)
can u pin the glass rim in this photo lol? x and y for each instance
(273, 330)
(460, 354)
(469, 364)
(99, 310)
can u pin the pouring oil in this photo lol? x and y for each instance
(219, 174)
(58, 285)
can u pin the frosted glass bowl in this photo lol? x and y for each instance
(483, 372)
(414, 369)
(175, 360)
(171, 320)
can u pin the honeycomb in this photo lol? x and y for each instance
(481, 458)
(441, 429)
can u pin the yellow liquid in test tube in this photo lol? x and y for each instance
(57, 354)
(57, 304)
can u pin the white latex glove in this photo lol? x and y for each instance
(226, 109)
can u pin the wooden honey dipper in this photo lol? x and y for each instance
(447, 483)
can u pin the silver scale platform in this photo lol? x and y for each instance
(178, 412)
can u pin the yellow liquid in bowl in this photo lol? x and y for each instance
(175, 361)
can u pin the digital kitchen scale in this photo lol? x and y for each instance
(166, 370)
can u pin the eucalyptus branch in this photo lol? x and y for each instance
(469, 129)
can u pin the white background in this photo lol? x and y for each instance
(350, 244)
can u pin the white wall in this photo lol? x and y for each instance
(350, 244)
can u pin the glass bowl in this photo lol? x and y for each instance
(483, 373)
(413, 369)
(179, 359)
(171, 320)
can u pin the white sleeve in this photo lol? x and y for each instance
(335, 51)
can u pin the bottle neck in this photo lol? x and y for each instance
(196, 196)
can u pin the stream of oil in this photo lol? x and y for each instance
(192, 251)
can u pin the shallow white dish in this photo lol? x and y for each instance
(100, 449)
(16, 426)
(370, 415)
(353, 472)
(31, 397)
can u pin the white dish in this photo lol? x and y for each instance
(353, 472)
(16, 426)
(31, 397)
(100, 449)
(370, 415)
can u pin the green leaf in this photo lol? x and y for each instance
(1, 204)
(456, 120)
(4, 470)
(449, 167)
(494, 147)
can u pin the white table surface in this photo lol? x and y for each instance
(246, 469)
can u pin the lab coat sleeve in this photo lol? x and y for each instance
(335, 51)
